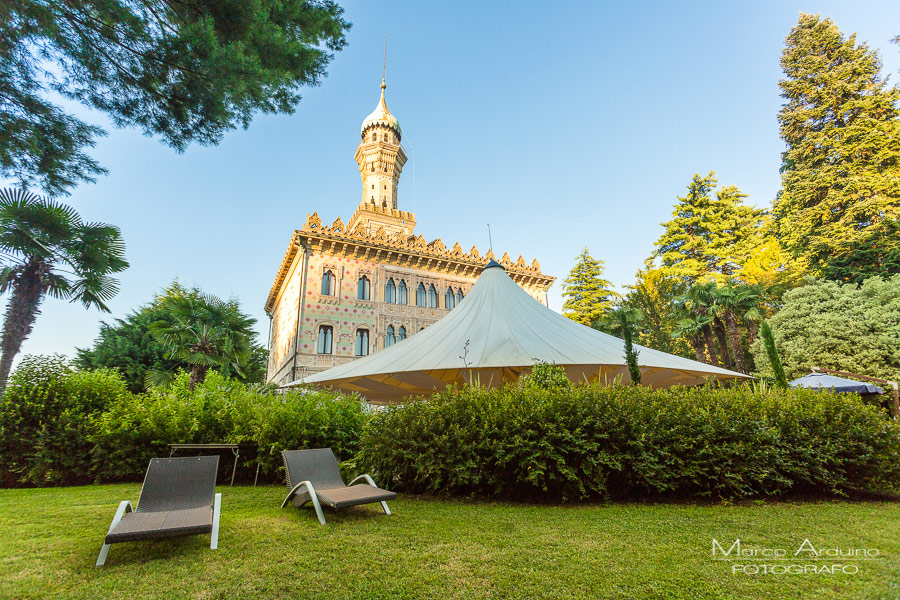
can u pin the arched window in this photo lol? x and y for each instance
(401, 293)
(328, 283)
(432, 297)
(401, 333)
(374, 137)
(362, 342)
(420, 295)
(459, 295)
(363, 288)
(390, 291)
(449, 299)
(389, 338)
(325, 335)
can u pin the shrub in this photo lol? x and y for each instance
(595, 441)
(223, 410)
(46, 417)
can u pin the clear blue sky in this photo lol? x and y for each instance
(562, 125)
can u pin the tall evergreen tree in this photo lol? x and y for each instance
(588, 296)
(653, 296)
(709, 238)
(187, 71)
(841, 168)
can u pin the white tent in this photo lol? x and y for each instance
(497, 332)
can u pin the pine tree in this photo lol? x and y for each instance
(841, 169)
(709, 238)
(588, 296)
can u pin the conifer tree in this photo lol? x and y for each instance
(841, 168)
(588, 296)
(709, 238)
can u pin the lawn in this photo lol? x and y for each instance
(429, 548)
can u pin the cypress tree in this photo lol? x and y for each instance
(841, 168)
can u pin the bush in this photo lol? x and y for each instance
(598, 442)
(46, 417)
(59, 426)
(222, 410)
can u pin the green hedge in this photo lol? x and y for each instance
(593, 441)
(60, 427)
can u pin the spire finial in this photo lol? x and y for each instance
(384, 65)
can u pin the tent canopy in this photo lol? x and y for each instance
(495, 334)
(822, 381)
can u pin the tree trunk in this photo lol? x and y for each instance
(696, 343)
(21, 312)
(719, 328)
(734, 334)
(751, 331)
(198, 375)
(710, 346)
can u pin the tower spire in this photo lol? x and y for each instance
(384, 65)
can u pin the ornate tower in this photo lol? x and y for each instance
(381, 158)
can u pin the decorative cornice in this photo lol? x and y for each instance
(397, 248)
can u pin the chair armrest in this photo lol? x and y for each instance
(124, 507)
(365, 476)
(296, 488)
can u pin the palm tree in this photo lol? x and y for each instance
(203, 331)
(692, 327)
(45, 248)
(697, 306)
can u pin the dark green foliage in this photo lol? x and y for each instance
(621, 322)
(876, 253)
(631, 441)
(772, 354)
(46, 417)
(138, 428)
(58, 426)
(841, 169)
(128, 346)
(186, 71)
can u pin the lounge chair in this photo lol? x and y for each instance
(314, 476)
(178, 498)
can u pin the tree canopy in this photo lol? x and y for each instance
(709, 238)
(838, 326)
(587, 294)
(840, 171)
(187, 71)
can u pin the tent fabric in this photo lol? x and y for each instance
(494, 335)
(823, 381)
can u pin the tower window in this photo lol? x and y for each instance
(363, 288)
(420, 295)
(401, 333)
(459, 295)
(389, 338)
(449, 299)
(374, 137)
(325, 335)
(401, 293)
(390, 291)
(328, 283)
(432, 297)
(362, 342)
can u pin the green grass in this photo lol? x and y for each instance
(49, 539)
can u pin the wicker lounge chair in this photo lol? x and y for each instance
(178, 498)
(314, 476)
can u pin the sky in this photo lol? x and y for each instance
(562, 125)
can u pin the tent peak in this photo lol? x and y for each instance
(493, 263)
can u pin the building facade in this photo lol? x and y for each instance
(345, 291)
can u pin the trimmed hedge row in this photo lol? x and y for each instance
(567, 443)
(61, 427)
